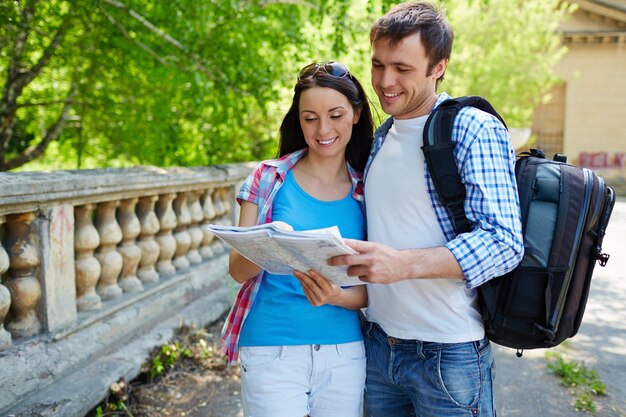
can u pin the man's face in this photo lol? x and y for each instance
(400, 77)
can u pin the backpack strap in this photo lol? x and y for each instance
(439, 155)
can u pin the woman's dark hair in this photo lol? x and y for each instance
(421, 17)
(357, 151)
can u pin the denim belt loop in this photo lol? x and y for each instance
(283, 352)
(419, 349)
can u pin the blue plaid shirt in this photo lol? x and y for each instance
(486, 161)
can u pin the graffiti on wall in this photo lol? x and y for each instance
(602, 159)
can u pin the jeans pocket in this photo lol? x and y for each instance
(460, 374)
(258, 355)
(352, 350)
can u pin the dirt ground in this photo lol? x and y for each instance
(197, 384)
(192, 392)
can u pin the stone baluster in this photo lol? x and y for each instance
(209, 214)
(86, 240)
(181, 234)
(22, 280)
(220, 209)
(110, 259)
(227, 214)
(149, 247)
(5, 296)
(165, 239)
(130, 251)
(195, 231)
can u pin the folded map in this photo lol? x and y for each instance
(282, 252)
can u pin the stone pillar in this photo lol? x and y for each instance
(86, 240)
(22, 279)
(165, 240)
(195, 232)
(181, 234)
(55, 229)
(148, 245)
(130, 251)
(110, 260)
(209, 213)
(5, 296)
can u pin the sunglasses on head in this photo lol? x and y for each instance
(334, 69)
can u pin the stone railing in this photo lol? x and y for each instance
(90, 260)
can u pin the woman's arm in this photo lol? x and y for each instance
(240, 268)
(320, 291)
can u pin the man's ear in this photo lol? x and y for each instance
(439, 69)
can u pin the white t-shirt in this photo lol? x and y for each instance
(400, 215)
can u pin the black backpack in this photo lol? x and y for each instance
(565, 212)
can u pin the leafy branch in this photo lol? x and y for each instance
(197, 61)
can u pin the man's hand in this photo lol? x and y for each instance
(375, 263)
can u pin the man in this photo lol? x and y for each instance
(427, 354)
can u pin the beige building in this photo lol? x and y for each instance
(586, 117)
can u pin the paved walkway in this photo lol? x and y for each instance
(524, 385)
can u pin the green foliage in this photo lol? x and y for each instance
(505, 50)
(586, 382)
(183, 82)
(195, 82)
(115, 403)
(167, 356)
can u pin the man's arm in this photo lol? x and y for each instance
(380, 264)
(487, 166)
(495, 245)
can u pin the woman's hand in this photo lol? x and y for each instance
(282, 226)
(319, 291)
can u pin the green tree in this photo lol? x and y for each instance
(505, 50)
(182, 82)
(193, 82)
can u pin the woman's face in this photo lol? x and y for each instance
(326, 118)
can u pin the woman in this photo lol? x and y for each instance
(301, 352)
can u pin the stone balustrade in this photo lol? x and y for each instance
(79, 249)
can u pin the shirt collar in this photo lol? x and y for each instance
(286, 162)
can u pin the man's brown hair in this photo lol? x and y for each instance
(421, 17)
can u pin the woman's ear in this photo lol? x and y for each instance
(357, 115)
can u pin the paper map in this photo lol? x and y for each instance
(281, 252)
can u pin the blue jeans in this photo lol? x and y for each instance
(426, 379)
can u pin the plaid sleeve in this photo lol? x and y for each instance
(249, 190)
(495, 245)
(238, 313)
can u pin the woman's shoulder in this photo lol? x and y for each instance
(284, 162)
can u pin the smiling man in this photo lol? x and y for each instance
(427, 354)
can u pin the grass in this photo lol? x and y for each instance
(585, 382)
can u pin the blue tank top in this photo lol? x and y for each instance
(281, 314)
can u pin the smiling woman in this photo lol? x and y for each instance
(302, 319)
(326, 118)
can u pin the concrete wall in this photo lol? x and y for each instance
(67, 238)
(590, 108)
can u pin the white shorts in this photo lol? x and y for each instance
(295, 381)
